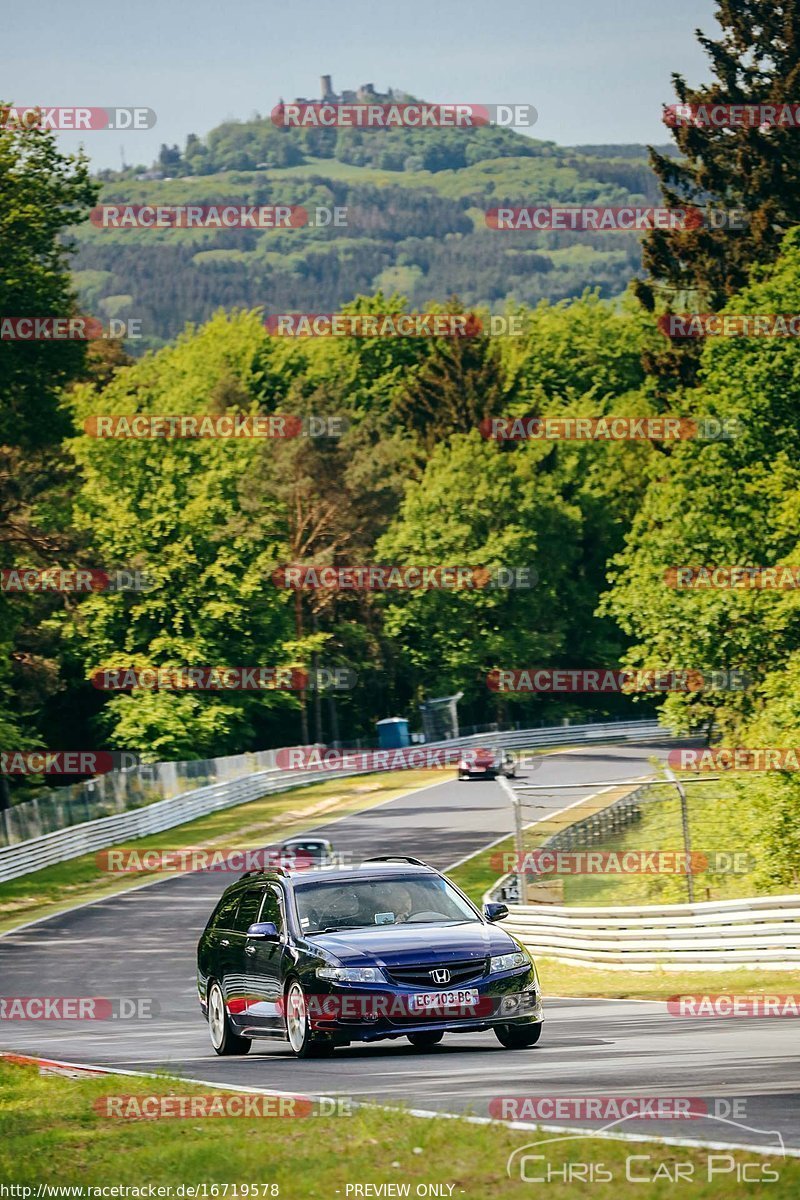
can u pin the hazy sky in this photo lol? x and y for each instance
(596, 70)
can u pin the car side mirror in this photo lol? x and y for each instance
(265, 931)
(495, 912)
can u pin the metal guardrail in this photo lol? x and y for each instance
(121, 791)
(760, 932)
(33, 854)
(519, 739)
(25, 857)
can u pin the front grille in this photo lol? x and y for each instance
(463, 970)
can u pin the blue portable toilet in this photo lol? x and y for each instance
(393, 733)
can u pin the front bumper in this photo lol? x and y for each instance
(355, 1013)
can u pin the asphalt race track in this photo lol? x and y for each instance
(142, 944)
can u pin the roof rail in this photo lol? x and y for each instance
(264, 871)
(395, 858)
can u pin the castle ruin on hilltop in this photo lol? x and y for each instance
(365, 94)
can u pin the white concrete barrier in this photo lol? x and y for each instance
(762, 931)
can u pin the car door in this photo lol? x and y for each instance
(219, 953)
(264, 966)
(239, 994)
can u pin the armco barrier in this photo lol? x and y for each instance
(556, 735)
(23, 857)
(123, 790)
(715, 934)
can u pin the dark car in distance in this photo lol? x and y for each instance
(387, 949)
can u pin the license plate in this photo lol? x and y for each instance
(455, 998)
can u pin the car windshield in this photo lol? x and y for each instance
(358, 904)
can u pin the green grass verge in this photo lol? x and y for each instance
(53, 1135)
(477, 874)
(561, 979)
(722, 821)
(725, 824)
(256, 823)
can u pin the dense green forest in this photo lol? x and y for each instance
(416, 204)
(411, 479)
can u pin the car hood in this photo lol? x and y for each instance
(396, 945)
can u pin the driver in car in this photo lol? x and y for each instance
(402, 904)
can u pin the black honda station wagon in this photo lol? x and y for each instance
(387, 949)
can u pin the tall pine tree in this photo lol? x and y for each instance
(756, 170)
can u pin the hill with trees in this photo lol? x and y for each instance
(600, 524)
(416, 204)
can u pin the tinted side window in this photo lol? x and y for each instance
(223, 916)
(249, 905)
(272, 909)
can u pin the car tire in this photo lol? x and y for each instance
(223, 1039)
(518, 1037)
(423, 1041)
(298, 1029)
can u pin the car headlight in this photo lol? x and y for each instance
(352, 974)
(507, 962)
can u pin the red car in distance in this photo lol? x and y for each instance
(486, 762)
